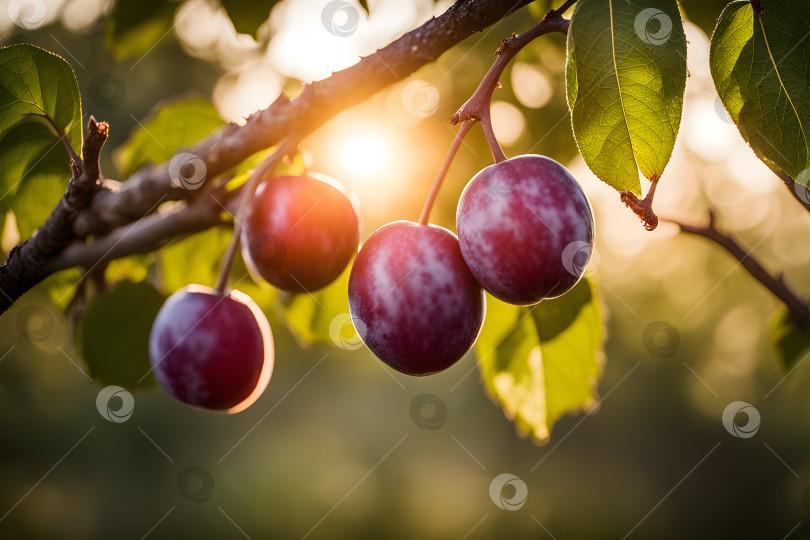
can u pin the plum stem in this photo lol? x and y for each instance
(437, 182)
(478, 106)
(286, 146)
(492, 140)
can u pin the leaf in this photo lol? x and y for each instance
(132, 268)
(364, 5)
(134, 28)
(195, 259)
(37, 83)
(759, 67)
(38, 95)
(113, 334)
(169, 127)
(322, 316)
(248, 15)
(539, 8)
(625, 78)
(541, 362)
(62, 286)
(789, 341)
(34, 174)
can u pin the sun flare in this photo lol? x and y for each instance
(363, 154)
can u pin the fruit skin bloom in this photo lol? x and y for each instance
(515, 220)
(211, 350)
(421, 309)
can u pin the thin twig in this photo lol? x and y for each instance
(63, 138)
(798, 309)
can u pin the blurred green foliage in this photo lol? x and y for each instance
(112, 335)
(169, 128)
(331, 449)
(134, 28)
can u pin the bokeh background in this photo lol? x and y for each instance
(341, 447)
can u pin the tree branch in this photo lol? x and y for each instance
(798, 309)
(113, 213)
(144, 235)
(317, 103)
(25, 266)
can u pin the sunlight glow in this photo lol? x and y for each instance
(376, 160)
(363, 153)
(508, 122)
(709, 133)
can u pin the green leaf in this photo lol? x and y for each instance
(248, 15)
(169, 127)
(135, 27)
(132, 268)
(791, 343)
(759, 67)
(34, 174)
(625, 77)
(38, 96)
(195, 259)
(322, 316)
(37, 83)
(541, 362)
(113, 334)
(539, 8)
(62, 286)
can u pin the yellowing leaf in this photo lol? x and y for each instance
(541, 362)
